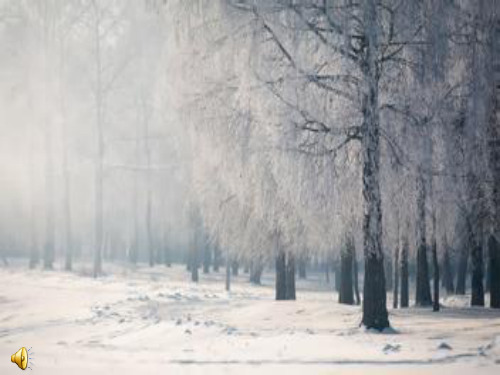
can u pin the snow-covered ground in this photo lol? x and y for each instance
(154, 321)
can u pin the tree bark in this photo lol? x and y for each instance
(207, 258)
(374, 293)
(228, 273)
(477, 286)
(435, 262)
(281, 276)
(462, 270)
(405, 288)
(290, 277)
(396, 278)
(447, 272)
(346, 295)
(423, 292)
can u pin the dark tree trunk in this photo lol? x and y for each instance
(207, 259)
(217, 258)
(447, 272)
(462, 270)
(477, 295)
(194, 264)
(435, 305)
(327, 272)
(494, 261)
(302, 266)
(281, 276)
(346, 295)
(285, 276)
(374, 294)
(228, 273)
(396, 278)
(405, 287)
(290, 276)
(423, 292)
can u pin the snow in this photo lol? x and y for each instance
(153, 320)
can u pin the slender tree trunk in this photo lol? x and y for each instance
(435, 262)
(494, 260)
(207, 258)
(405, 288)
(290, 277)
(194, 262)
(423, 293)
(217, 258)
(396, 277)
(462, 270)
(327, 272)
(477, 286)
(228, 273)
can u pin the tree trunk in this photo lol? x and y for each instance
(290, 277)
(477, 295)
(194, 262)
(447, 272)
(327, 272)
(423, 293)
(396, 278)
(494, 260)
(281, 276)
(217, 258)
(405, 287)
(207, 258)
(462, 270)
(228, 273)
(346, 295)
(435, 305)
(374, 293)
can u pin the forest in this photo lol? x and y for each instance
(172, 165)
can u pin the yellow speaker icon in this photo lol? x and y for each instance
(20, 358)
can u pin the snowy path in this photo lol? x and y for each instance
(154, 321)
